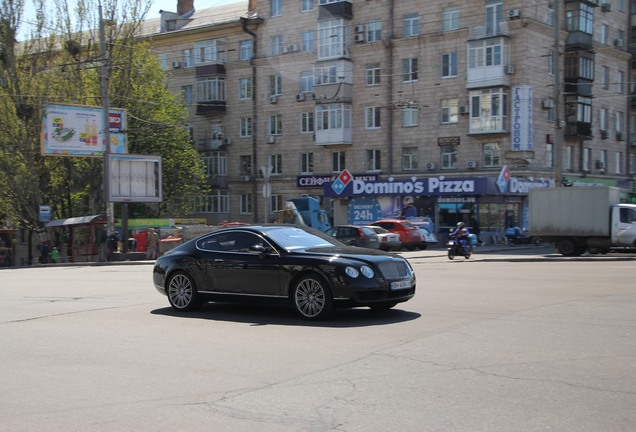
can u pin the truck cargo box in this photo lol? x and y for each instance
(571, 211)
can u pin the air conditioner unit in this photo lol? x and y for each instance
(176, 65)
(300, 97)
(618, 42)
(471, 164)
(245, 178)
(509, 69)
(271, 139)
(227, 141)
(600, 164)
(284, 49)
(514, 14)
(604, 134)
(463, 109)
(619, 136)
(430, 166)
(293, 48)
(548, 103)
(359, 37)
(606, 7)
(358, 28)
(273, 99)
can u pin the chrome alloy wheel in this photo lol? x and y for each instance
(312, 299)
(182, 293)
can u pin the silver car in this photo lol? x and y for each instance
(354, 235)
(388, 240)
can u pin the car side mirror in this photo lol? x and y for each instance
(260, 249)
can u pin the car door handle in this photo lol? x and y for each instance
(218, 260)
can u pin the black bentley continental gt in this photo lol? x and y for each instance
(313, 272)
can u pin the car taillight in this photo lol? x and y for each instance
(360, 233)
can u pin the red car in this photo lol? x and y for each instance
(410, 235)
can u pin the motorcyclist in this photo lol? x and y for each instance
(461, 235)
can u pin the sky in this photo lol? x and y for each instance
(157, 5)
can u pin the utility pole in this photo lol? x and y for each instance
(110, 214)
(556, 65)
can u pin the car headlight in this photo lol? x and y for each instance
(367, 271)
(352, 272)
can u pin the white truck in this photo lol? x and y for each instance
(582, 219)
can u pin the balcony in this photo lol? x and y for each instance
(489, 76)
(579, 130)
(211, 107)
(337, 9)
(334, 137)
(487, 31)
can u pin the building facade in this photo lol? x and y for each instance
(457, 108)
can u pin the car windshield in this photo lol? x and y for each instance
(296, 238)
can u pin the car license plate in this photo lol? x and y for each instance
(400, 285)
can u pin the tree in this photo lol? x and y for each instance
(60, 63)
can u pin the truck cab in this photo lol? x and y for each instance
(624, 225)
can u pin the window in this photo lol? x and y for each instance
(580, 17)
(409, 69)
(603, 122)
(306, 163)
(215, 164)
(374, 31)
(549, 155)
(618, 123)
(275, 85)
(550, 59)
(494, 16)
(246, 204)
(275, 124)
(307, 82)
(602, 158)
(214, 203)
(450, 20)
(276, 43)
(373, 160)
(245, 164)
(488, 110)
(409, 159)
(485, 53)
(307, 122)
(409, 117)
(492, 154)
(210, 89)
(276, 202)
(246, 127)
(306, 5)
(332, 38)
(549, 17)
(605, 77)
(276, 7)
(187, 58)
(604, 34)
(618, 162)
(325, 75)
(372, 118)
(245, 88)
(620, 78)
(338, 161)
(449, 111)
(209, 51)
(163, 59)
(579, 64)
(373, 74)
(411, 25)
(276, 161)
(216, 132)
(245, 49)
(449, 65)
(333, 117)
(308, 41)
(186, 91)
(586, 159)
(569, 157)
(449, 157)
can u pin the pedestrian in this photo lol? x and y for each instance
(152, 241)
(112, 244)
(475, 230)
(54, 254)
(44, 252)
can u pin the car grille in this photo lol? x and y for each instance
(395, 269)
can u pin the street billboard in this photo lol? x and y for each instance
(134, 178)
(77, 130)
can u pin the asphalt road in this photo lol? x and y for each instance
(487, 344)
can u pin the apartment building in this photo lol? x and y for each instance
(457, 108)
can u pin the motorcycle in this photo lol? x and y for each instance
(517, 236)
(458, 248)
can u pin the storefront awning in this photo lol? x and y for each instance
(82, 220)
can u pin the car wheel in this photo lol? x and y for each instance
(423, 246)
(567, 247)
(410, 247)
(182, 293)
(312, 298)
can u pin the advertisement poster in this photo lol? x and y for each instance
(75, 130)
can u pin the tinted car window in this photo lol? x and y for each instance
(368, 231)
(234, 241)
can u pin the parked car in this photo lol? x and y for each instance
(297, 265)
(410, 235)
(354, 235)
(428, 237)
(388, 240)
